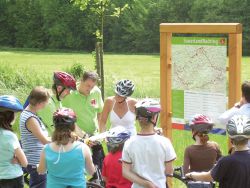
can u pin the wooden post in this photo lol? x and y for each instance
(166, 84)
(234, 81)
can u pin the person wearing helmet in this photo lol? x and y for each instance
(233, 170)
(240, 108)
(11, 174)
(112, 168)
(147, 157)
(120, 108)
(34, 134)
(203, 154)
(65, 159)
(63, 83)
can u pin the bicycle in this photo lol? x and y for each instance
(182, 181)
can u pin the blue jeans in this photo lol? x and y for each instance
(12, 183)
(199, 185)
(36, 180)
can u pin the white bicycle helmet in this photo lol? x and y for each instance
(124, 88)
(239, 127)
(117, 136)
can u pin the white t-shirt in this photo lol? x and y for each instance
(148, 154)
(226, 116)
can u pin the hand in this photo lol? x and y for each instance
(149, 184)
(189, 175)
(91, 143)
(15, 160)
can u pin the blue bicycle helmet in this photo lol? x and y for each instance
(10, 103)
(117, 136)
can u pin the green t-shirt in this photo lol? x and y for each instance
(46, 114)
(86, 108)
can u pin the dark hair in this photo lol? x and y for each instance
(5, 120)
(63, 134)
(245, 88)
(239, 141)
(90, 75)
(114, 149)
(38, 94)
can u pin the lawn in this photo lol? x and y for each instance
(144, 70)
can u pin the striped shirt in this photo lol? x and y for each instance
(32, 147)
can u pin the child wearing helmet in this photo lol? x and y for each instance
(12, 156)
(203, 154)
(65, 159)
(233, 170)
(112, 167)
(120, 108)
(147, 157)
(34, 134)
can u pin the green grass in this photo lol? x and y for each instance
(144, 70)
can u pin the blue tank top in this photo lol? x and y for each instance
(65, 168)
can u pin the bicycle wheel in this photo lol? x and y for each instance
(93, 185)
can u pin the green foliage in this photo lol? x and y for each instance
(128, 25)
(76, 70)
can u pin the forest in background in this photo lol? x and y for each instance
(62, 24)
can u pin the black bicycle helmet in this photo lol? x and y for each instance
(10, 103)
(124, 88)
(239, 127)
(64, 116)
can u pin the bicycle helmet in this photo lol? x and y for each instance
(117, 136)
(64, 79)
(147, 108)
(124, 88)
(201, 123)
(10, 103)
(64, 116)
(239, 127)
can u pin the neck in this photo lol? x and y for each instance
(32, 109)
(241, 148)
(147, 129)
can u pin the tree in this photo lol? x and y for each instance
(102, 9)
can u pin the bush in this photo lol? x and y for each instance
(76, 70)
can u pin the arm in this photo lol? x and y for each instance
(186, 162)
(88, 160)
(41, 169)
(19, 154)
(33, 126)
(200, 176)
(104, 115)
(133, 177)
(79, 131)
(169, 167)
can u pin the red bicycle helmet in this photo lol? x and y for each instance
(64, 116)
(201, 123)
(64, 79)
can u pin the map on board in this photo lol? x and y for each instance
(198, 77)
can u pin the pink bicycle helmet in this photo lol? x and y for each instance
(201, 123)
(64, 116)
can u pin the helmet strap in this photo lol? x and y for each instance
(58, 94)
